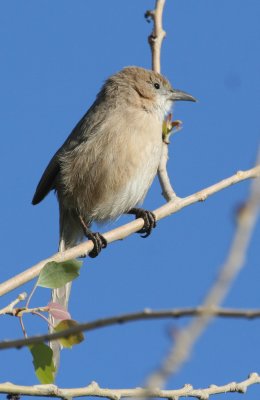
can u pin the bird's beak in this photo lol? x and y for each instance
(177, 95)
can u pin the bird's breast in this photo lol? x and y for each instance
(119, 166)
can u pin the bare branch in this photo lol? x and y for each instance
(9, 309)
(158, 34)
(23, 327)
(186, 339)
(93, 390)
(155, 40)
(146, 314)
(127, 229)
(20, 311)
(167, 189)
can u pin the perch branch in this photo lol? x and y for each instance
(127, 229)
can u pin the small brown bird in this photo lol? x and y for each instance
(107, 164)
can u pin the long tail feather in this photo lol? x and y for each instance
(70, 233)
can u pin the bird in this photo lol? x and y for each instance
(107, 164)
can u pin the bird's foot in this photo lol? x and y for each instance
(99, 243)
(149, 220)
(98, 240)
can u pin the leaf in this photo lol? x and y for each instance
(43, 362)
(55, 275)
(169, 127)
(58, 311)
(70, 340)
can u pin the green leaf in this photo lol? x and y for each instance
(55, 275)
(70, 340)
(43, 362)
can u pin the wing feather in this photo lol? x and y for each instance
(86, 127)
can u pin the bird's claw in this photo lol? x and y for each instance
(99, 243)
(149, 221)
(98, 240)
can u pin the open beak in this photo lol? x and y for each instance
(177, 95)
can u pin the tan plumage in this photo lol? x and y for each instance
(110, 159)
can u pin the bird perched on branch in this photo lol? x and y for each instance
(107, 164)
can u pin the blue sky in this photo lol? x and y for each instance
(54, 58)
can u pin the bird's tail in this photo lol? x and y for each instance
(70, 234)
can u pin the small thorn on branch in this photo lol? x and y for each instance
(149, 15)
(241, 388)
(152, 39)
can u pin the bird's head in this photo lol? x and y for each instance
(149, 89)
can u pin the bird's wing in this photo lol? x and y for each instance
(47, 180)
(86, 127)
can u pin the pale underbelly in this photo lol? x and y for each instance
(131, 194)
(119, 203)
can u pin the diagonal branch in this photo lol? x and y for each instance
(146, 314)
(127, 229)
(94, 390)
(185, 340)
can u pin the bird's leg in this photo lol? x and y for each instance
(96, 237)
(149, 220)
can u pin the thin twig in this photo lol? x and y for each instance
(31, 294)
(167, 189)
(9, 309)
(43, 317)
(23, 327)
(146, 314)
(186, 338)
(20, 311)
(93, 390)
(128, 229)
(155, 40)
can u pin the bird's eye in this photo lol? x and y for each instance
(156, 85)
